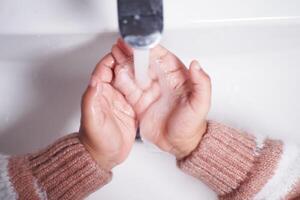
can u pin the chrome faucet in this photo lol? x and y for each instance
(141, 22)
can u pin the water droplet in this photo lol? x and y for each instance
(137, 17)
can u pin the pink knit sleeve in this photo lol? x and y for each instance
(239, 166)
(64, 170)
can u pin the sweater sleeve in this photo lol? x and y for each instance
(64, 170)
(239, 166)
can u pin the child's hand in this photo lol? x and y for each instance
(108, 124)
(173, 110)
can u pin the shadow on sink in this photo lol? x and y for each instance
(58, 79)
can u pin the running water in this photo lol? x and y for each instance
(141, 67)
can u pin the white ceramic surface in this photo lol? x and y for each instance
(251, 50)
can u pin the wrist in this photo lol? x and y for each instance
(192, 143)
(100, 160)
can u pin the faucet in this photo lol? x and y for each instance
(141, 22)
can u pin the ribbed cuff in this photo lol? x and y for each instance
(222, 159)
(64, 170)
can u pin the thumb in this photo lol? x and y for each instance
(201, 88)
(88, 101)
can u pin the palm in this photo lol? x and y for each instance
(108, 121)
(113, 115)
(170, 111)
(171, 122)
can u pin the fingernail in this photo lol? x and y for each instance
(93, 82)
(112, 61)
(197, 65)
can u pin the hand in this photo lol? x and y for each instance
(108, 122)
(172, 111)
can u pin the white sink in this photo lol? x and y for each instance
(47, 51)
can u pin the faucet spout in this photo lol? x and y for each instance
(141, 22)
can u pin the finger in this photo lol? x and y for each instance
(113, 100)
(153, 72)
(147, 99)
(103, 70)
(201, 88)
(165, 60)
(120, 108)
(127, 50)
(127, 67)
(158, 52)
(119, 55)
(125, 83)
(120, 104)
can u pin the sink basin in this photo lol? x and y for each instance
(251, 51)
